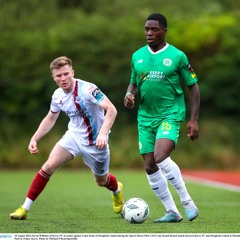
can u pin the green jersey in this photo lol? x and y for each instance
(157, 76)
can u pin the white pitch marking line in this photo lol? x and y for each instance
(211, 183)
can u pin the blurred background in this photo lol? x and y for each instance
(100, 37)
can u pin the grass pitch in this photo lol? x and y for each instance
(73, 203)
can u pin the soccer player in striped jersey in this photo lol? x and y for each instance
(156, 72)
(91, 116)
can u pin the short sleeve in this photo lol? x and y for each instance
(94, 94)
(186, 71)
(54, 107)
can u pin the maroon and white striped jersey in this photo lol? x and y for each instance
(81, 106)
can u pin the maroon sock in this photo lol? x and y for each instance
(38, 184)
(111, 184)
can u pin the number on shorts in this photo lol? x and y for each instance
(166, 126)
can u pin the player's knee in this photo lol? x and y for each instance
(101, 182)
(49, 168)
(151, 168)
(160, 157)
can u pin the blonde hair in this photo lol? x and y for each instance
(60, 62)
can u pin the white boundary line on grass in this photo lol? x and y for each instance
(211, 183)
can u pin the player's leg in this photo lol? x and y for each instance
(57, 157)
(98, 161)
(164, 146)
(159, 186)
(172, 172)
(110, 182)
(156, 179)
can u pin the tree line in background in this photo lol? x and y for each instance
(100, 37)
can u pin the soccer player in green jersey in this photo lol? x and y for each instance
(156, 72)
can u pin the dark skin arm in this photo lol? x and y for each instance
(194, 99)
(129, 99)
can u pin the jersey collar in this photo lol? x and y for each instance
(161, 50)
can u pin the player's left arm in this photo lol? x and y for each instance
(110, 116)
(194, 99)
(191, 80)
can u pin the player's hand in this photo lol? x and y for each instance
(129, 101)
(101, 141)
(192, 128)
(32, 147)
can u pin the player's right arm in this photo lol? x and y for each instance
(45, 126)
(129, 99)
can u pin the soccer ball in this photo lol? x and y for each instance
(135, 210)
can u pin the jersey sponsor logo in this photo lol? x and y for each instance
(140, 61)
(75, 112)
(167, 62)
(155, 76)
(140, 145)
(97, 94)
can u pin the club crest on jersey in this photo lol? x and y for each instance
(77, 100)
(167, 62)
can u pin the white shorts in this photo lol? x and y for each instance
(96, 159)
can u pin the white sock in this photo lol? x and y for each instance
(159, 186)
(27, 204)
(117, 191)
(172, 172)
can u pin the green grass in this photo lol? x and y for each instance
(73, 203)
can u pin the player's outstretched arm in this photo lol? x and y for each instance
(45, 126)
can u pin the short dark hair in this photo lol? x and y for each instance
(158, 17)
